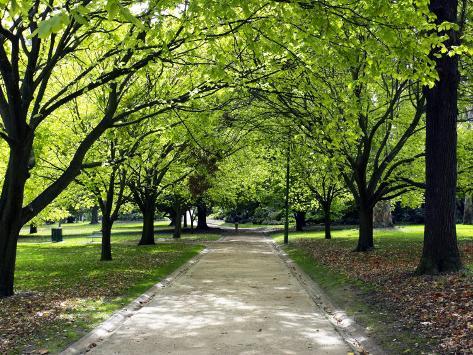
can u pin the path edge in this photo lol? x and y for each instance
(105, 329)
(352, 332)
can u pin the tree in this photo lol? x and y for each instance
(440, 252)
(359, 44)
(55, 53)
(107, 183)
(37, 49)
(199, 182)
(214, 138)
(245, 178)
(154, 169)
(41, 36)
(320, 175)
(364, 130)
(300, 200)
(176, 198)
(94, 214)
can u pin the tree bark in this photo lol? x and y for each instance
(185, 219)
(440, 252)
(147, 235)
(202, 216)
(365, 238)
(327, 222)
(300, 221)
(8, 257)
(172, 218)
(382, 217)
(11, 202)
(109, 213)
(468, 211)
(178, 224)
(106, 254)
(94, 215)
(191, 217)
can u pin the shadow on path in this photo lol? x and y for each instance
(240, 298)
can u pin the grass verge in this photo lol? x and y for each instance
(82, 232)
(402, 311)
(358, 300)
(63, 290)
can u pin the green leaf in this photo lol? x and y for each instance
(127, 15)
(51, 25)
(15, 8)
(112, 7)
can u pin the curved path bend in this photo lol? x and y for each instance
(239, 298)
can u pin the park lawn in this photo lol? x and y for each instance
(63, 290)
(251, 225)
(402, 311)
(80, 229)
(124, 231)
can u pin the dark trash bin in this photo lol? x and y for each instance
(56, 235)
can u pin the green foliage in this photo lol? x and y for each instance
(241, 178)
(202, 100)
(155, 57)
(465, 158)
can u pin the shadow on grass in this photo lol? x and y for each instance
(359, 300)
(68, 290)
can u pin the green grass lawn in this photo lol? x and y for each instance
(409, 231)
(398, 238)
(252, 225)
(125, 231)
(63, 290)
(402, 236)
(369, 286)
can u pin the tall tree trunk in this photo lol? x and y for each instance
(8, 235)
(147, 235)
(468, 211)
(382, 217)
(107, 224)
(11, 203)
(202, 216)
(172, 217)
(178, 224)
(365, 238)
(300, 221)
(327, 222)
(94, 215)
(185, 219)
(440, 252)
